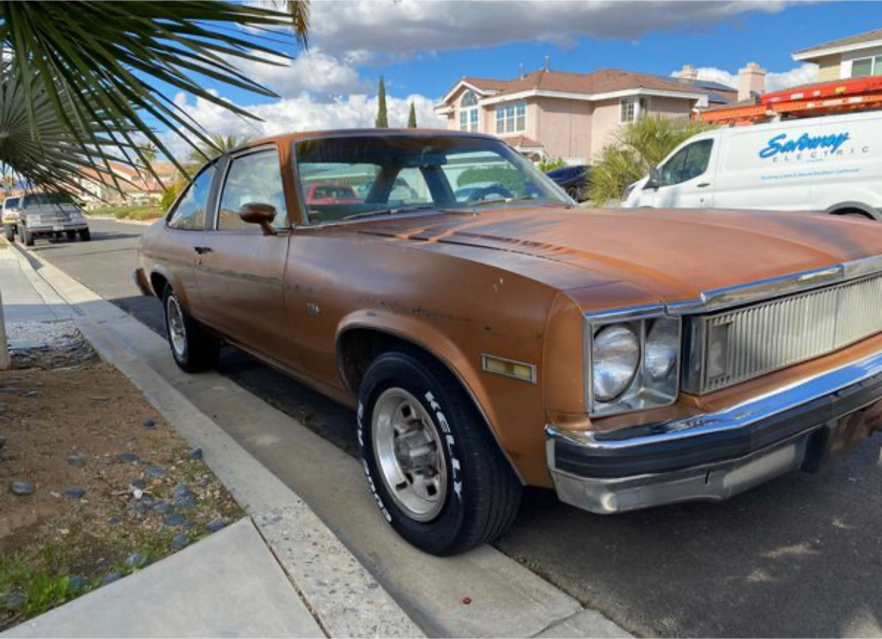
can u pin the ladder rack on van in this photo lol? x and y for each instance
(829, 98)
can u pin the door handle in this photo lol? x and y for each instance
(202, 250)
(703, 185)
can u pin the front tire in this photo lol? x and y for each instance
(85, 235)
(9, 232)
(27, 236)
(437, 474)
(194, 350)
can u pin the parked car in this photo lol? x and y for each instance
(828, 164)
(626, 359)
(51, 215)
(575, 180)
(331, 193)
(11, 214)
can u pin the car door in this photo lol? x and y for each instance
(686, 177)
(240, 269)
(185, 226)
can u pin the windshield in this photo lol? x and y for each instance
(42, 199)
(10, 203)
(362, 176)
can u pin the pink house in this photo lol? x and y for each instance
(571, 115)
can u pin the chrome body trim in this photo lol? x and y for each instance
(600, 494)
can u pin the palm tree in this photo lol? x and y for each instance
(86, 74)
(217, 145)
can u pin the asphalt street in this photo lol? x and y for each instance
(800, 556)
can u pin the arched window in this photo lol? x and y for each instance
(468, 112)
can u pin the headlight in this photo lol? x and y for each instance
(616, 356)
(662, 348)
(634, 364)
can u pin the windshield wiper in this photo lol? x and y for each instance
(391, 211)
(507, 200)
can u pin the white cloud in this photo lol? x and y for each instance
(304, 113)
(403, 27)
(803, 74)
(311, 70)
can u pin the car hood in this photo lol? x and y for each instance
(670, 255)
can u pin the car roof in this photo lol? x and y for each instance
(287, 138)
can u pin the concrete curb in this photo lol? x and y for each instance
(507, 599)
(342, 595)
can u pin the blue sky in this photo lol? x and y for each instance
(422, 47)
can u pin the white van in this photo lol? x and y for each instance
(831, 164)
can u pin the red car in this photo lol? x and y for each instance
(331, 194)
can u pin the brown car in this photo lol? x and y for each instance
(624, 358)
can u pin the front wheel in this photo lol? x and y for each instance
(194, 350)
(435, 471)
(85, 235)
(9, 232)
(27, 236)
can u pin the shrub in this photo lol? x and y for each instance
(549, 164)
(638, 146)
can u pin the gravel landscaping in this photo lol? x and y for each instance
(94, 484)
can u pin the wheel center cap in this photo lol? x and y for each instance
(414, 453)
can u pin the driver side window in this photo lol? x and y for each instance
(255, 177)
(688, 163)
(189, 212)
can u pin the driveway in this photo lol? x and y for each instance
(801, 556)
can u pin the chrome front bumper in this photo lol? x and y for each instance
(713, 456)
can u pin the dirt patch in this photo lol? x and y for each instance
(112, 486)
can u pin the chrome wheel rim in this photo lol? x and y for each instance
(176, 332)
(409, 454)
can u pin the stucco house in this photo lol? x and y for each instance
(570, 115)
(135, 186)
(856, 56)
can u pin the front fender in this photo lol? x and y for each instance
(427, 337)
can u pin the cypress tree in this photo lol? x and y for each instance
(382, 120)
(411, 119)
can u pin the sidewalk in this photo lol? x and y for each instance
(279, 573)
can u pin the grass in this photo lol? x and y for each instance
(135, 212)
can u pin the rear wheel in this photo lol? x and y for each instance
(85, 235)
(437, 474)
(192, 347)
(573, 192)
(27, 236)
(71, 235)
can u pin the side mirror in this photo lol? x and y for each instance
(655, 177)
(259, 213)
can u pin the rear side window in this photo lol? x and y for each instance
(189, 212)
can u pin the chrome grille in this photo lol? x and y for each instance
(745, 343)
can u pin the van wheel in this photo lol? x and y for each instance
(435, 471)
(27, 236)
(85, 235)
(71, 235)
(194, 350)
(9, 232)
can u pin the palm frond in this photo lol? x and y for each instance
(97, 65)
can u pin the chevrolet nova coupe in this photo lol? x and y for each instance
(626, 359)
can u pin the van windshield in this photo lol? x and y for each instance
(11, 203)
(345, 178)
(42, 199)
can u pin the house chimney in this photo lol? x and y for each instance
(548, 63)
(688, 73)
(521, 70)
(751, 81)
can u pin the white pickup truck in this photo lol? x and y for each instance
(51, 215)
